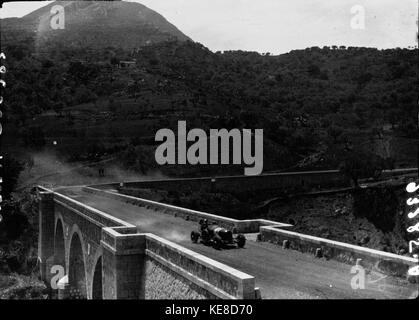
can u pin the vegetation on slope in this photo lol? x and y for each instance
(318, 107)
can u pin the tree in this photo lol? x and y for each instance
(58, 107)
(114, 61)
(84, 95)
(314, 70)
(11, 170)
(359, 164)
(335, 133)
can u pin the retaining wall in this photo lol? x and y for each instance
(263, 182)
(234, 184)
(397, 172)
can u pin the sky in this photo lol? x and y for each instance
(279, 26)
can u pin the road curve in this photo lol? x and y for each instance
(280, 274)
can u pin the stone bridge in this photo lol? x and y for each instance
(86, 253)
(111, 254)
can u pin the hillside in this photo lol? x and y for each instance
(93, 25)
(317, 106)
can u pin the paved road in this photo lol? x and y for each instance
(279, 273)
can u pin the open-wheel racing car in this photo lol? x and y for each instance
(216, 236)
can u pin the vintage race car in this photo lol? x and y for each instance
(216, 236)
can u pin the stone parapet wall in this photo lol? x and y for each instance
(239, 226)
(384, 262)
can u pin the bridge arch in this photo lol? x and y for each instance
(59, 244)
(77, 265)
(97, 282)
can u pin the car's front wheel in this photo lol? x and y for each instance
(194, 236)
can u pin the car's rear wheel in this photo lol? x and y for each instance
(194, 236)
(240, 240)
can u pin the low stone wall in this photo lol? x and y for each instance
(88, 213)
(397, 172)
(234, 184)
(205, 277)
(139, 265)
(385, 262)
(238, 226)
(263, 182)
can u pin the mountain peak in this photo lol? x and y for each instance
(98, 24)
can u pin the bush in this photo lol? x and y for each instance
(359, 165)
(379, 205)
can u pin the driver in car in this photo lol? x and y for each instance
(204, 224)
